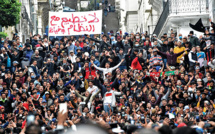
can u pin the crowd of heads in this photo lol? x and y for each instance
(114, 83)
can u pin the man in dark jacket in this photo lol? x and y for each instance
(103, 44)
(34, 41)
(6, 103)
(16, 55)
(194, 40)
(171, 56)
(167, 45)
(119, 44)
(50, 66)
(38, 58)
(28, 52)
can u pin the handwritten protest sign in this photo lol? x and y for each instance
(75, 23)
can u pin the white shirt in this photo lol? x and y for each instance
(89, 89)
(73, 58)
(107, 70)
(110, 98)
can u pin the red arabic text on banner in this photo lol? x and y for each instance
(75, 23)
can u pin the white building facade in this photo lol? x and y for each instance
(177, 14)
(160, 16)
(128, 15)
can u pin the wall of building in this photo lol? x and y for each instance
(180, 15)
(132, 23)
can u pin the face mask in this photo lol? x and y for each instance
(136, 45)
(93, 43)
(178, 86)
(2, 41)
(81, 76)
(64, 63)
(112, 38)
(113, 42)
(137, 37)
(180, 37)
(143, 38)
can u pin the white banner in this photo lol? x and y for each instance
(75, 23)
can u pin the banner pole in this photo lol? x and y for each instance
(48, 31)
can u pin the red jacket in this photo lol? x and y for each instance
(22, 80)
(150, 44)
(90, 71)
(81, 44)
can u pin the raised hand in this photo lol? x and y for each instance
(92, 62)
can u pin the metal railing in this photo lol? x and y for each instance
(162, 19)
(188, 6)
(179, 7)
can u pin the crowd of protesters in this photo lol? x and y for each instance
(122, 82)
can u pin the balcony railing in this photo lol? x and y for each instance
(180, 7)
(188, 6)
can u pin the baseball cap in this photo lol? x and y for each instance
(197, 67)
(130, 97)
(15, 62)
(198, 80)
(186, 107)
(46, 92)
(108, 86)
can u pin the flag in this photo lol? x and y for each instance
(136, 64)
(155, 75)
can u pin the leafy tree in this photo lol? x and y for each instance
(3, 34)
(9, 12)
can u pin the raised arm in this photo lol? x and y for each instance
(79, 94)
(156, 95)
(161, 53)
(98, 68)
(93, 96)
(159, 99)
(113, 68)
(94, 40)
(167, 94)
